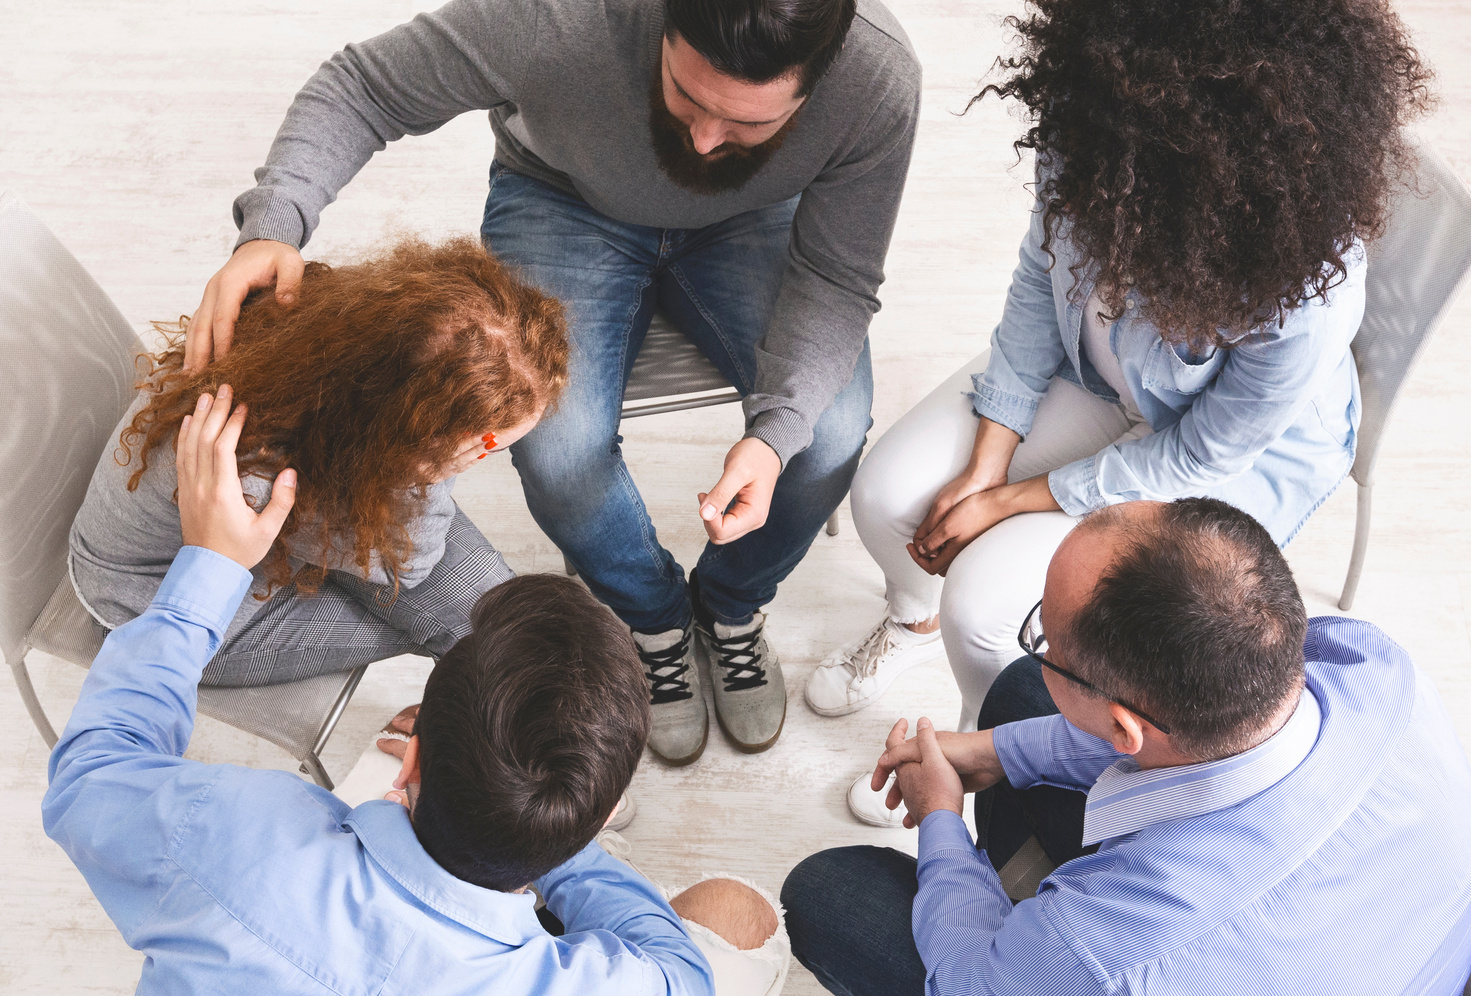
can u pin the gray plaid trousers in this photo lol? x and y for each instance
(349, 621)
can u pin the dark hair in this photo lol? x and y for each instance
(530, 730)
(1220, 156)
(1199, 621)
(762, 40)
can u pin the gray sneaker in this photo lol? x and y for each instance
(680, 724)
(750, 695)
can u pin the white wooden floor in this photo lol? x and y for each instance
(130, 126)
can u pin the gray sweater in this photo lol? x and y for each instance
(566, 83)
(122, 542)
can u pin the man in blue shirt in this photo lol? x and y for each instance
(1239, 799)
(235, 880)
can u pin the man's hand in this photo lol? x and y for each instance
(972, 755)
(258, 263)
(741, 499)
(212, 508)
(926, 780)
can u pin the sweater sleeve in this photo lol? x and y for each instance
(468, 55)
(829, 293)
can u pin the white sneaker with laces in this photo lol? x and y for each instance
(855, 676)
(868, 805)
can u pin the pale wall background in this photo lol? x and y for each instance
(130, 126)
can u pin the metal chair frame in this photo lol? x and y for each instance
(1430, 224)
(53, 312)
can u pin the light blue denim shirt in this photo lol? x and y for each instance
(1269, 425)
(241, 881)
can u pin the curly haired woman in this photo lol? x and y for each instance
(384, 380)
(1178, 324)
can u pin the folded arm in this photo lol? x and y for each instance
(1260, 391)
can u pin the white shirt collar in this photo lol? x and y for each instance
(1126, 799)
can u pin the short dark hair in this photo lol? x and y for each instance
(1199, 621)
(762, 40)
(530, 730)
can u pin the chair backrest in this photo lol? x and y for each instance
(66, 377)
(1415, 270)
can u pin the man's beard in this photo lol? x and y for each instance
(726, 167)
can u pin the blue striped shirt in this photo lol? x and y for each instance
(1334, 857)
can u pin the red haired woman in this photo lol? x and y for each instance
(381, 384)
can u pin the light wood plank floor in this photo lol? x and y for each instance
(129, 127)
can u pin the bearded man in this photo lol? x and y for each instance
(734, 164)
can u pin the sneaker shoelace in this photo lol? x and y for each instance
(666, 670)
(738, 656)
(865, 660)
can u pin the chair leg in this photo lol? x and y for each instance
(1361, 546)
(33, 704)
(312, 763)
(832, 523)
(571, 571)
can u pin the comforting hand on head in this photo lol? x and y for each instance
(213, 512)
(256, 264)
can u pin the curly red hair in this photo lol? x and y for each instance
(375, 376)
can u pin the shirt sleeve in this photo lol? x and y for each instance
(829, 292)
(119, 784)
(615, 918)
(970, 937)
(1026, 347)
(1260, 391)
(468, 55)
(1048, 750)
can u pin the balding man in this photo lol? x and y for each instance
(1239, 799)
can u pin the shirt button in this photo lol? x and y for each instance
(1129, 303)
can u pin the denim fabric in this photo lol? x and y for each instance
(1269, 425)
(1006, 816)
(718, 285)
(848, 917)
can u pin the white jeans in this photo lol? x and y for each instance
(994, 581)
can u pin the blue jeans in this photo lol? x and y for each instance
(718, 285)
(849, 908)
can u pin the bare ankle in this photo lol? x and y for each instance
(923, 628)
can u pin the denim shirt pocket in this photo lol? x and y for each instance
(1181, 369)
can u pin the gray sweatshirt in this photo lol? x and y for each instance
(566, 83)
(122, 542)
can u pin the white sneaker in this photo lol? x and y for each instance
(868, 805)
(854, 677)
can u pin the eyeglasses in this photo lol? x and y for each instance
(1034, 642)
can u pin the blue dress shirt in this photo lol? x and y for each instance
(1334, 857)
(235, 880)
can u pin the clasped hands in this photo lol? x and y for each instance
(934, 769)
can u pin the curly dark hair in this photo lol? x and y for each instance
(1218, 156)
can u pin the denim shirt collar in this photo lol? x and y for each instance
(1126, 799)
(384, 829)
